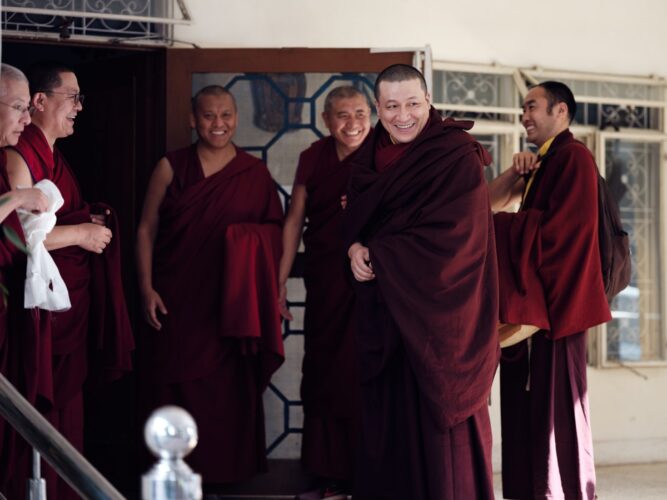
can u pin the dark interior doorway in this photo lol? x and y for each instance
(118, 138)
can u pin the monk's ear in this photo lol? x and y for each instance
(428, 99)
(193, 120)
(325, 118)
(37, 101)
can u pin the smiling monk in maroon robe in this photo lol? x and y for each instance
(208, 248)
(329, 389)
(423, 259)
(551, 276)
(92, 340)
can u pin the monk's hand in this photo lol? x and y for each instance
(152, 304)
(360, 262)
(524, 162)
(93, 237)
(282, 302)
(32, 200)
(100, 219)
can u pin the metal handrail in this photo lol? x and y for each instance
(53, 447)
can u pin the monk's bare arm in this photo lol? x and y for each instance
(291, 237)
(148, 226)
(507, 189)
(89, 236)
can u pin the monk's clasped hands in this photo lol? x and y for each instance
(360, 262)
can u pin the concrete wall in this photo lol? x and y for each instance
(611, 36)
(614, 36)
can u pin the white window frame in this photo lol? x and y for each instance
(595, 139)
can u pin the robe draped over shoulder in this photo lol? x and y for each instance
(551, 255)
(329, 388)
(80, 355)
(215, 268)
(551, 277)
(427, 327)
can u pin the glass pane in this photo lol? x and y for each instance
(633, 175)
(492, 144)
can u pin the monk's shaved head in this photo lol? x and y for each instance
(216, 90)
(342, 92)
(399, 73)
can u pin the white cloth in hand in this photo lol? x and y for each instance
(44, 287)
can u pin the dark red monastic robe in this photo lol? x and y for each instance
(329, 388)
(427, 331)
(215, 266)
(93, 340)
(25, 352)
(551, 277)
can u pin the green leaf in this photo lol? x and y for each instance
(11, 235)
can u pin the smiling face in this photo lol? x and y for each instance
(541, 122)
(349, 121)
(14, 116)
(403, 108)
(215, 119)
(57, 108)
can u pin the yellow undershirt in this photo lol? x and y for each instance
(540, 154)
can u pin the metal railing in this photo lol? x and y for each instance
(52, 446)
(170, 433)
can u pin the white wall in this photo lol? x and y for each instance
(629, 412)
(612, 36)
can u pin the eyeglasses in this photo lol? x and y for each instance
(77, 98)
(17, 107)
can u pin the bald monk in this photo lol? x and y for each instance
(421, 247)
(19, 329)
(552, 245)
(208, 247)
(329, 386)
(92, 341)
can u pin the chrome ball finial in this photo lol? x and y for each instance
(170, 433)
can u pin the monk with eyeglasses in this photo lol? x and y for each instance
(93, 339)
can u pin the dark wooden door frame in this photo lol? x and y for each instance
(180, 64)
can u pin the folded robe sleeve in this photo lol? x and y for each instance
(521, 294)
(249, 299)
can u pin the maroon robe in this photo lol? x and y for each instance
(329, 388)
(552, 277)
(25, 352)
(215, 267)
(427, 331)
(96, 294)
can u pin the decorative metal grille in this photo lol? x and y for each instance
(633, 174)
(474, 89)
(604, 114)
(280, 116)
(150, 19)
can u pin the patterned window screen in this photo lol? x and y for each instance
(279, 117)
